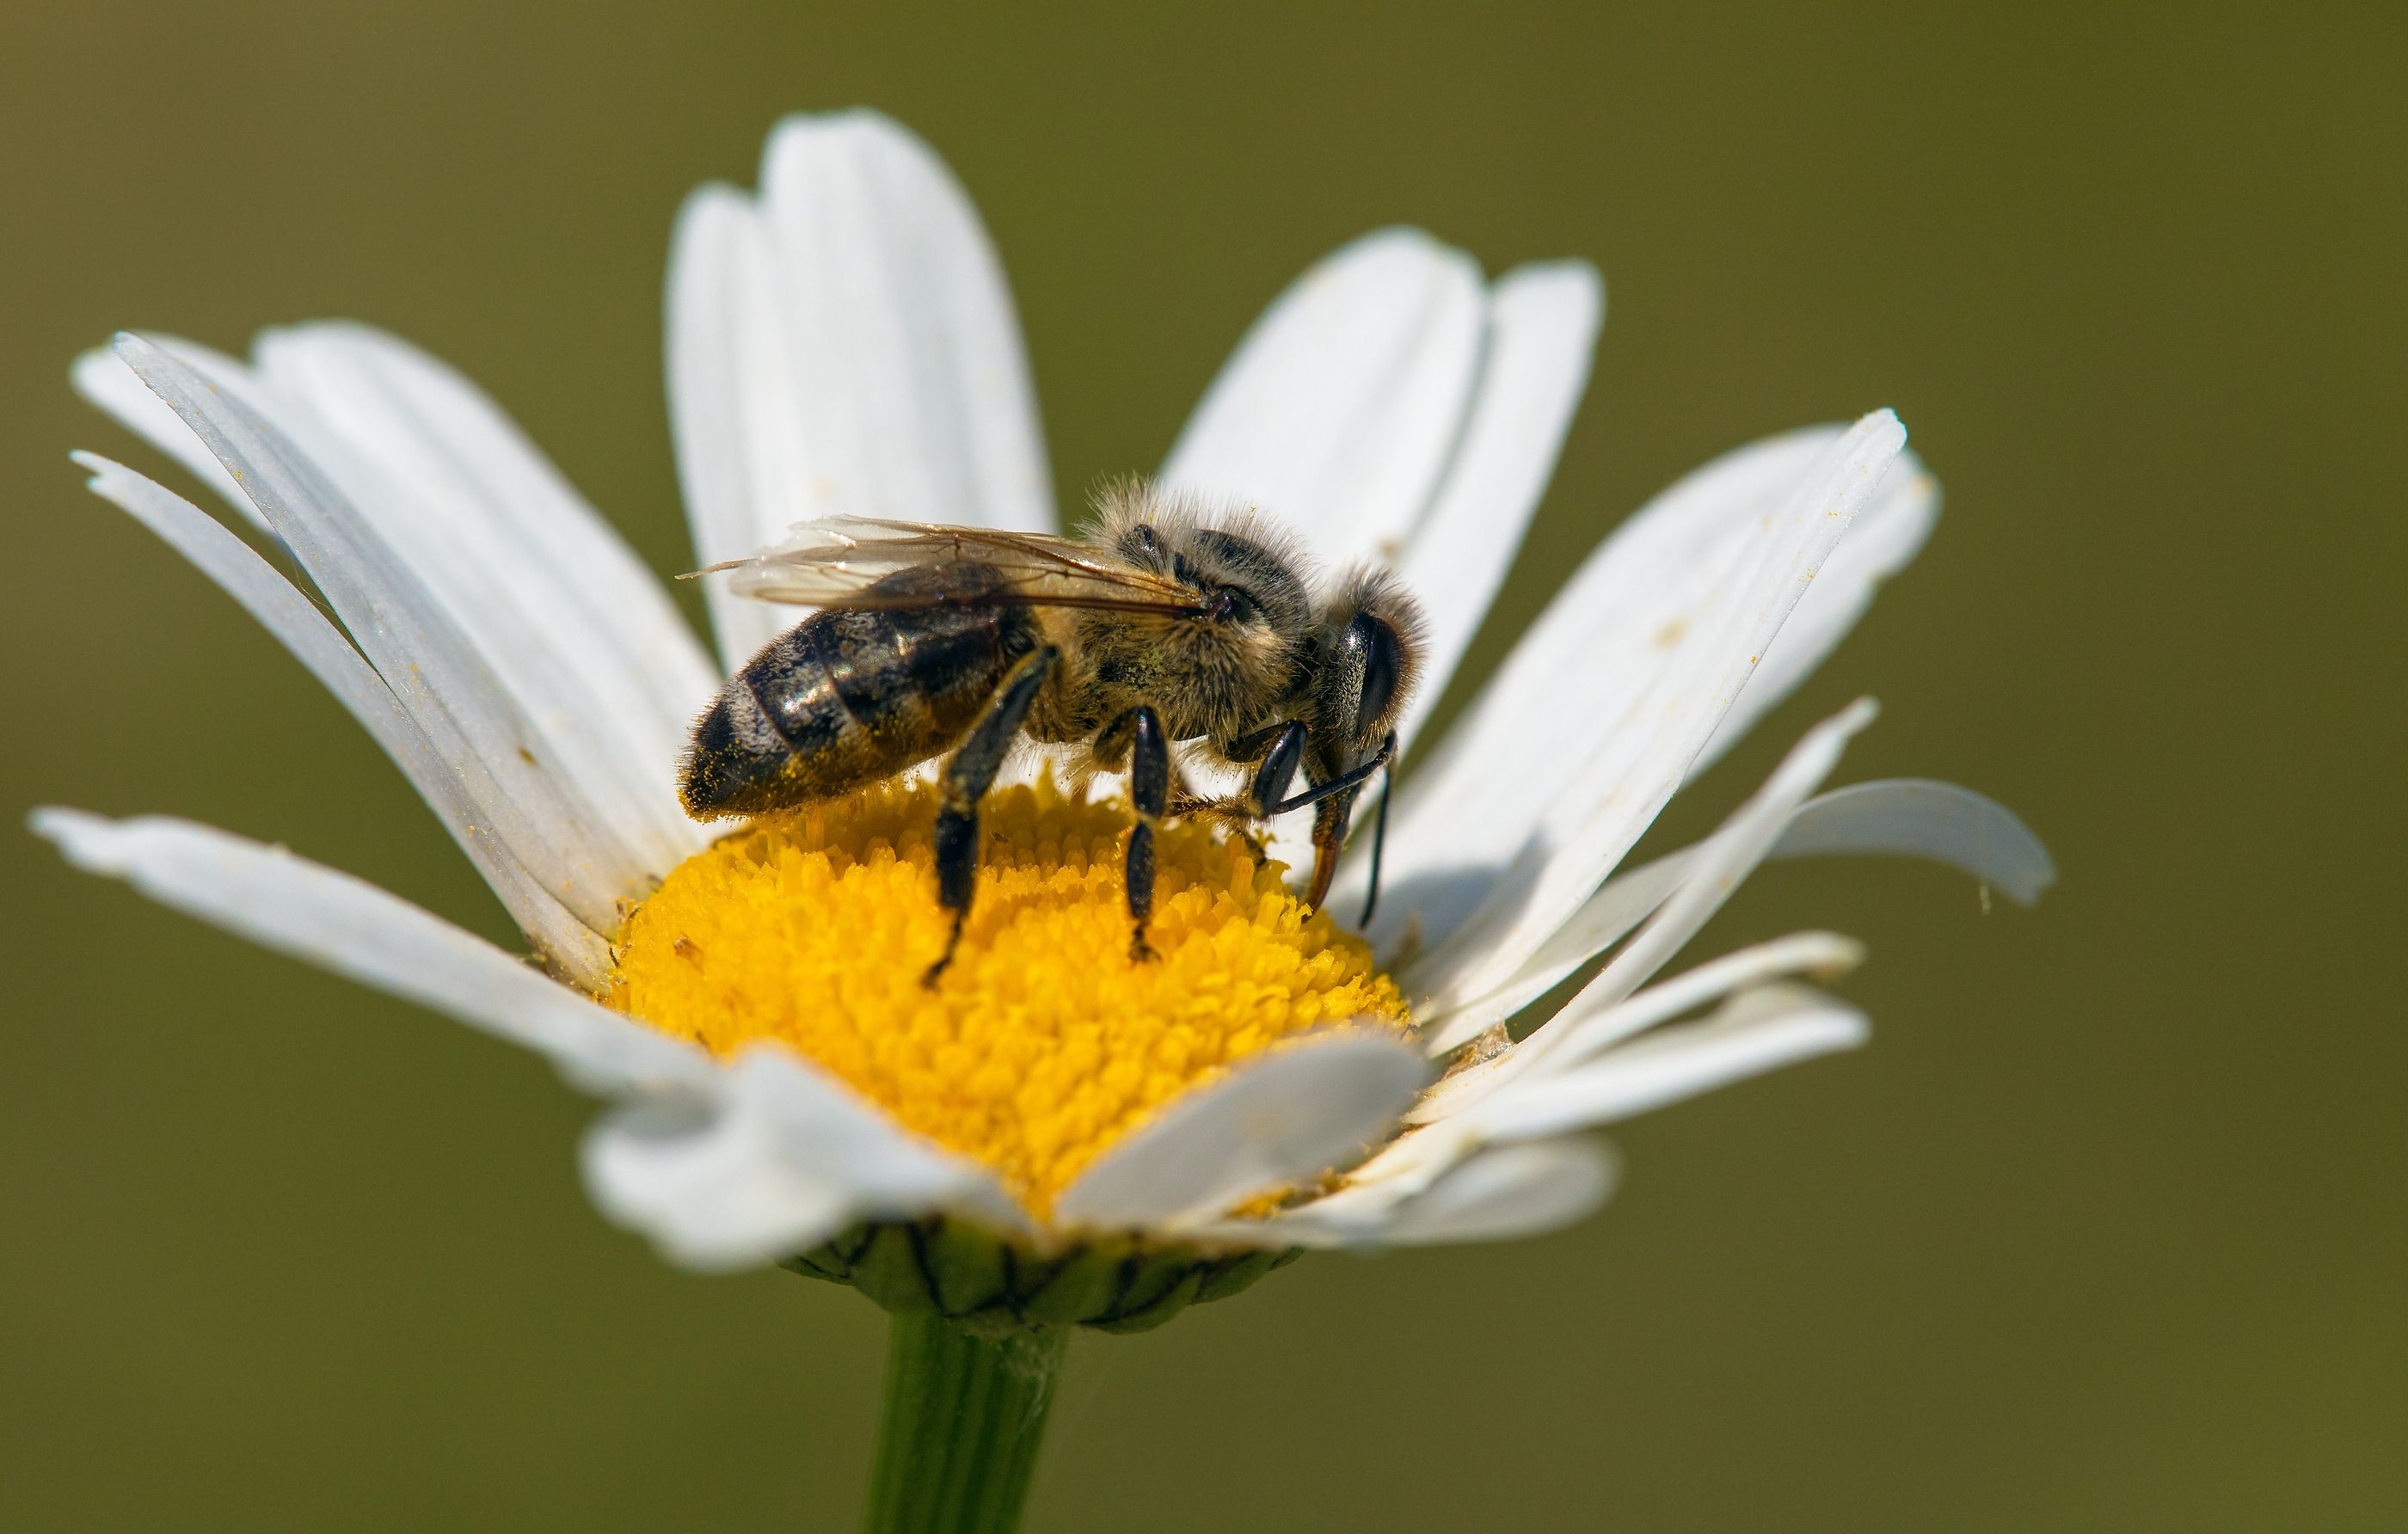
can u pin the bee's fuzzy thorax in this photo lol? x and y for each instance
(1131, 498)
(1212, 676)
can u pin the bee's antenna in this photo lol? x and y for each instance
(1380, 829)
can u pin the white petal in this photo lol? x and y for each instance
(734, 404)
(573, 625)
(304, 630)
(1915, 817)
(786, 1157)
(1508, 1098)
(1585, 1029)
(1759, 1031)
(1279, 1117)
(1592, 724)
(467, 716)
(1729, 856)
(102, 377)
(848, 346)
(1620, 904)
(708, 1184)
(576, 629)
(1507, 1193)
(1884, 539)
(1903, 817)
(1489, 1195)
(1543, 324)
(1713, 872)
(1541, 333)
(354, 929)
(1459, 1178)
(1338, 409)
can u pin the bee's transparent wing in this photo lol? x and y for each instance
(840, 562)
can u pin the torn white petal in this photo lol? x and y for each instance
(356, 930)
(1277, 1118)
(102, 377)
(890, 1172)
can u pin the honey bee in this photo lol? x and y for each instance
(1163, 623)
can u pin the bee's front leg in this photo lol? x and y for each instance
(1276, 750)
(1267, 796)
(1138, 735)
(966, 779)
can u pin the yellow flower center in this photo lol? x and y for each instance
(1044, 1042)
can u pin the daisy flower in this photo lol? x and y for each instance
(1055, 1135)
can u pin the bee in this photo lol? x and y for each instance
(1164, 622)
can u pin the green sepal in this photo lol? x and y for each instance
(1076, 1285)
(1235, 1275)
(993, 1287)
(1169, 1287)
(969, 1266)
(818, 1263)
(892, 1270)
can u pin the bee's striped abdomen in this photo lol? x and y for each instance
(847, 698)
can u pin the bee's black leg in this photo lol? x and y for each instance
(1136, 738)
(1150, 796)
(1277, 768)
(967, 777)
(1345, 782)
(1250, 745)
(1276, 750)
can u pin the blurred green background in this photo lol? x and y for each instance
(2105, 1232)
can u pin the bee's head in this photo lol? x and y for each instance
(1369, 658)
(1226, 665)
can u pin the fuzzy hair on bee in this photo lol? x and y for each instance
(1169, 619)
(1209, 679)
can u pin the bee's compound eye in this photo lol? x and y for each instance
(1383, 662)
(1228, 605)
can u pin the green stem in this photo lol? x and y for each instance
(963, 1419)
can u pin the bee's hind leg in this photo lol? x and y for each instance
(966, 778)
(1138, 735)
